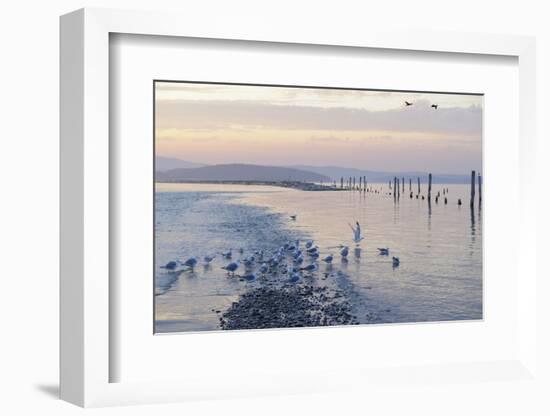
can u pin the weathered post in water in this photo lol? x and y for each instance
(365, 183)
(341, 182)
(398, 189)
(429, 186)
(403, 183)
(473, 189)
(410, 185)
(419, 185)
(479, 188)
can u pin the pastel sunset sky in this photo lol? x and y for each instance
(279, 126)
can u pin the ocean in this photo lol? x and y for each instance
(439, 277)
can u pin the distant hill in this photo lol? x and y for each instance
(166, 163)
(240, 172)
(336, 172)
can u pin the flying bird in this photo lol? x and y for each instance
(293, 217)
(356, 232)
(408, 103)
(395, 261)
(434, 106)
(383, 251)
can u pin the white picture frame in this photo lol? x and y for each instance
(85, 183)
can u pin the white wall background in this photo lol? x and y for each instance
(29, 56)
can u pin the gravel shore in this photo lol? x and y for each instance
(288, 307)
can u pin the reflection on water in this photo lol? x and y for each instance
(439, 246)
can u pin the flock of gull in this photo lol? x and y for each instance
(291, 260)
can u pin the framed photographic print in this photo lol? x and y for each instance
(266, 212)
(290, 206)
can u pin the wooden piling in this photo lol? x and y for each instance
(410, 185)
(365, 183)
(479, 188)
(398, 189)
(429, 186)
(473, 189)
(341, 182)
(419, 185)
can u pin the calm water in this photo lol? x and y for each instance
(439, 278)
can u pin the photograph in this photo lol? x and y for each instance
(284, 206)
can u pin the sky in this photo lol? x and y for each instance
(282, 126)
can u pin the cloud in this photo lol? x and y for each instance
(198, 114)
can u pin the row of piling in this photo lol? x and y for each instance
(397, 187)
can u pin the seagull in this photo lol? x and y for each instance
(299, 260)
(310, 268)
(383, 251)
(207, 259)
(328, 259)
(434, 106)
(294, 277)
(395, 261)
(228, 254)
(249, 277)
(231, 267)
(344, 252)
(314, 255)
(309, 243)
(248, 261)
(171, 265)
(356, 232)
(408, 103)
(293, 217)
(312, 250)
(191, 262)
(264, 268)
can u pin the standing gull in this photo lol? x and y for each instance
(231, 267)
(191, 263)
(328, 259)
